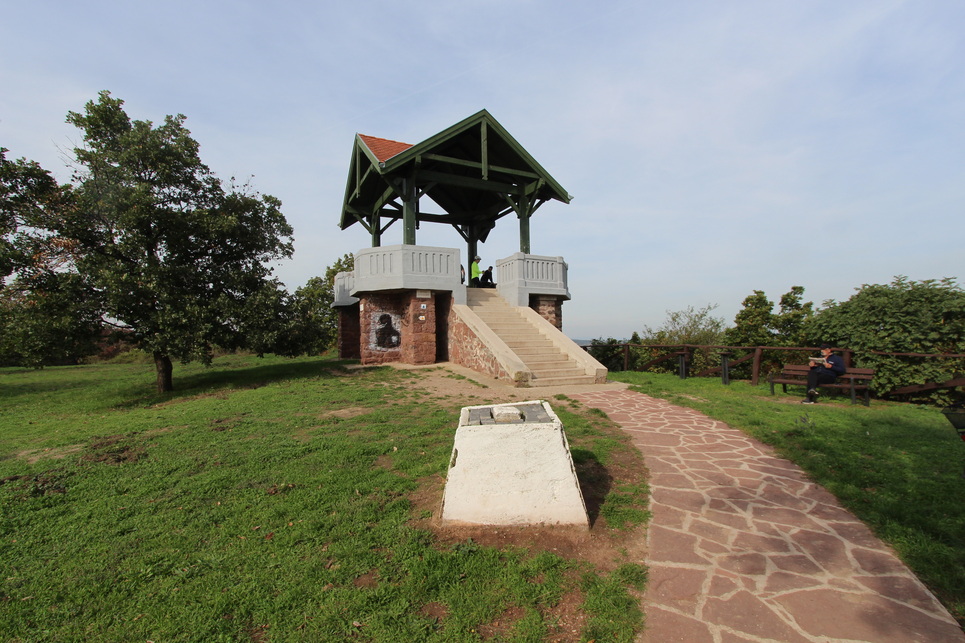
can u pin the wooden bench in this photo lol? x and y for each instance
(853, 380)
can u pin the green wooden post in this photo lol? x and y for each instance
(375, 227)
(524, 233)
(410, 211)
(524, 209)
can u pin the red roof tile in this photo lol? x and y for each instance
(383, 148)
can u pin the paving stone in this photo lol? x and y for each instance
(677, 587)
(664, 626)
(745, 612)
(777, 556)
(865, 617)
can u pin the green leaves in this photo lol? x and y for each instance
(904, 316)
(175, 256)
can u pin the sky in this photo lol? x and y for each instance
(711, 148)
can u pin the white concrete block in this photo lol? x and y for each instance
(511, 465)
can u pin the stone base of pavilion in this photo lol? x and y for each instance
(406, 304)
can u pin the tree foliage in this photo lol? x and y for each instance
(695, 326)
(48, 321)
(756, 324)
(301, 323)
(157, 240)
(904, 316)
(28, 193)
(46, 314)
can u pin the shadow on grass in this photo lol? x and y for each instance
(239, 377)
(595, 481)
(42, 380)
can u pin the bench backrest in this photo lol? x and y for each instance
(802, 369)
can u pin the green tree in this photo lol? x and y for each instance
(48, 321)
(696, 326)
(316, 318)
(790, 322)
(46, 314)
(27, 193)
(169, 252)
(904, 316)
(753, 323)
(688, 326)
(756, 324)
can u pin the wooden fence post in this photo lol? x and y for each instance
(756, 368)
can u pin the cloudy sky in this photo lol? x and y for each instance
(712, 148)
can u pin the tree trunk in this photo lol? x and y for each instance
(165, 381)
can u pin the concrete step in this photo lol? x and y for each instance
(565, 371)
(561, 381)
(529, 345)
(510, 326)
(548, 365)
(546, 358)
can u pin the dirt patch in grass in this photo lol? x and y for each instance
(41, 484)
(568, 617)
(113, 449)
(502, 626)
(33, 456)
(346, 413)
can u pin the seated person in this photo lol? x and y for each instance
(823, 373)
(486, 280)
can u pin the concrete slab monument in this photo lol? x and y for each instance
(511, 465)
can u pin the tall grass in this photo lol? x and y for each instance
(264, 500)
(898, 467)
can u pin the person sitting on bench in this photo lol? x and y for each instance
(486, 281)
(824, 370)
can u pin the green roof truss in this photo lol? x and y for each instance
(475, 172)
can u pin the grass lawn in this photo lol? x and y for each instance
(898, 467)
(276, 500)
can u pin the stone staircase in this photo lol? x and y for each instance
(548, 365)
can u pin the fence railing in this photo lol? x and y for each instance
(710, 360)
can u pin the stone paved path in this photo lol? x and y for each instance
(743, 548)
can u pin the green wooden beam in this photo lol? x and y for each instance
(499, 169)
(360, 216)
(467, 182)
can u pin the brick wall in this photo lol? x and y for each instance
(348, 332)
(380, 321)
(466, 349)
(394, 327)
(549, 308)
(419, 336)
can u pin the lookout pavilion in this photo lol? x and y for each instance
(408, 303)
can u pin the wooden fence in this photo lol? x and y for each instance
(725, 358)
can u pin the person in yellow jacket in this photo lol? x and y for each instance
(474, 272)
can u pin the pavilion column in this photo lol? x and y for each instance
(375, 227)
(524, 234)
(524, 210)
(410, 211)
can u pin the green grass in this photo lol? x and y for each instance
(898, 467)
(265, 499)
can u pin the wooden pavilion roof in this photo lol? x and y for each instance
(474, 172)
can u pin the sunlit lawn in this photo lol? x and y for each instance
(263, 500)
